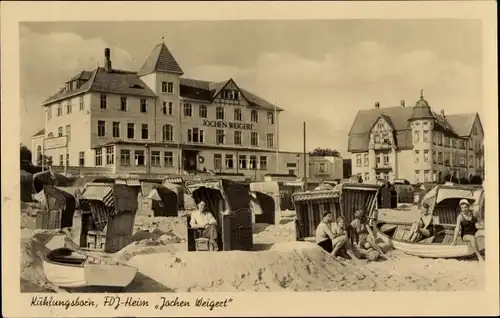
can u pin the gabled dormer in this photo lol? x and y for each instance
(227, 92)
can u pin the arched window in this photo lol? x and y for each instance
(254, 116)
(168, 133)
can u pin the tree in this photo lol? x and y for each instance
(326, 152)
(25, 155)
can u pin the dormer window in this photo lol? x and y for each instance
(136, 86)
(230, 94)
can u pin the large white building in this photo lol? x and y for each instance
(155, 121)
(416, 144)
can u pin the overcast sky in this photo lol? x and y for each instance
(320, 71)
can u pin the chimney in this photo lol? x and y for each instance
(403, 103)
(377, 105)
(442, 112)
(107, 59)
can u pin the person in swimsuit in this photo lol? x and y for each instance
(423, 227)
(363, 237)
(466, 226)
(324, 234)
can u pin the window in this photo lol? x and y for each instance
(167, 87)
(144, 131)
(68, 132)
(229, 162)
(386, 160)
(237, 137)
(426, 155)
(242, 160)
(446, 157)
(123, 103)
(439, 138)
(98, 157)
(365, 159)
(155, 158)
(68, 108)
(378, 160)
(446, 141)
(270, 140)
(270, 118)
(81, 158)
(67, 160)
(125, 157)
(61, 160)
(434, 138)
(144, 105)
(461, 144)
(416, 136)
(254, 139)
(219, 113)
(59, 110)
(230, 94)
(139, 157)
(471, 161)
(116, 129)
(167, 109)
(426, 136)
(358, 160)
(217, 161)
(462, 160)
(263, 163)
(434, 175)
(427, 176)
(452, 143)
(417, 176)
(130, 131)
(219, 136)
(252, 163)
(322, 168)
(453, 159)
(237, 114)
(104, 101)
(168, 133)
(254, 116)
(196, 135)
(101, 128)
(110, 155)
(440, 158)
(202, 111)
(367, 176)
(49, 113)
(417, 156)
(434, 159)
(80, 102)
(188, 110)
(59, 131)
(168, 159)
(471, 144)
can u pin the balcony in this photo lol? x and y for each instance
(382, 146)
(383, 166)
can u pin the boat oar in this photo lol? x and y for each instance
(73, 246)
(374, 244)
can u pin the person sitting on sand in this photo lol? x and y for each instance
(341, 232)
(423, 227)
(203, 219)
(363, 239)
(466, 226)
(324, 235)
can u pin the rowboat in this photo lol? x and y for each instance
(67, 268)
(437, 246)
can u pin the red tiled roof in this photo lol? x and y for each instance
(160, 60)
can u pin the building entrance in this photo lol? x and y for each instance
(189, 158)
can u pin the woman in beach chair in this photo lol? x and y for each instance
(466, 226)
(203, 219)
(423, 227)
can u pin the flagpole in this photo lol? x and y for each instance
(277, 135)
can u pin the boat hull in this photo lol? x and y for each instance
(87, 274)
(430, 250)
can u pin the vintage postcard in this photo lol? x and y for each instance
(249, 158)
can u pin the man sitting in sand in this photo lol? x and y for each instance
(341, 232)
(423, 227)
(329, 240)
(203, 219)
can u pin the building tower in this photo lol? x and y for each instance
(422, 125)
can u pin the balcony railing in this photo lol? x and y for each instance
(382, 146)
(383, 166)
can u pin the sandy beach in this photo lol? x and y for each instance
(278, 262)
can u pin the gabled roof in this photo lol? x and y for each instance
(83, 75)
(388, 120)
(462, 123)
(206, 91)
(115, 82)
(41, 132)
(160, 60)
